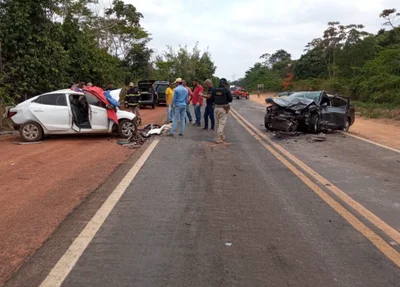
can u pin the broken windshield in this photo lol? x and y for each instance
(308, 95)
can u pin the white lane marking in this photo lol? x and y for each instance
(64, 266)
(372, 142)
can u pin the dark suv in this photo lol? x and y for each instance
(161, 86)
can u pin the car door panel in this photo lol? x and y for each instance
(98, 118)
(52, 117)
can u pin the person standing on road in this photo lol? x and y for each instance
(179, 102)
(132, 100)
(190, 97)
(209, 111)
(221, 97)
(197, 101)
(169, 95)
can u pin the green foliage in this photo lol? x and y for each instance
(379, 80)
(50, 44)
(261, 74)
(185, 64)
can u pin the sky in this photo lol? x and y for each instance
(238, 32)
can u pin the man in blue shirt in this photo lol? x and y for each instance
(179, 102)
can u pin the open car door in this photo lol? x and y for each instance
(97, 114)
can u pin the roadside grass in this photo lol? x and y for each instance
(377, 111)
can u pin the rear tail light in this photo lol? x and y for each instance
(11, 114)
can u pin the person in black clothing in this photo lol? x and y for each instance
(209, 111)
(221, 97)
(110, 87)
(132, 100)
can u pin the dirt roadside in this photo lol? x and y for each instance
(42, 184)
(383, 131)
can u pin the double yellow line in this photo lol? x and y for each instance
(297, 167)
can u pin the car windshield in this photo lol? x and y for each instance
(309, 95)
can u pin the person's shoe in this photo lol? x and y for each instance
(223, 138)
(219, 141)
(181, 135)
(170, 135)
(205, 129)
(193, 124)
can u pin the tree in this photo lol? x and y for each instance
(185, 64)
(392, 19)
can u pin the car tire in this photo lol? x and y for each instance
(126, 128)
(153, 106)
(247, 97)
(313, 126)
(31, 132)
(346, 126)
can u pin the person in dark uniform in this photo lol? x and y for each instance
(209, 111)
(221, 97)
(132, 100)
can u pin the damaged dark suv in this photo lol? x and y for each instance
(311, 111)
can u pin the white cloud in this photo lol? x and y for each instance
(238, 32)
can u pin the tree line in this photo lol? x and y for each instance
(345, 60)
(51, 44)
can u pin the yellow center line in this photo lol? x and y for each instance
(375, 239)
(390, 231)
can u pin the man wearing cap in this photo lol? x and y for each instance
(221, 97)
(179, 102)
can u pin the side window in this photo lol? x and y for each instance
(161, 89)
(338, 102)
(92, 100)
(52, 100)
(325, 99)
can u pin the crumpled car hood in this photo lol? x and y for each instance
(295, 104)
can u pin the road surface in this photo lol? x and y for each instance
(255, 212)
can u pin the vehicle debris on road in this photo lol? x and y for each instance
(317, 138)
(138, 138)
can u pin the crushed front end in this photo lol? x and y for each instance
(289, 115)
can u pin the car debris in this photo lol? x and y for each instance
(310, 111)
(137, 139)
(154, 129)
(282, 135)
(318, 138)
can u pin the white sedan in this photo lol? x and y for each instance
(67, 112)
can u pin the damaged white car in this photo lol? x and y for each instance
(69, 112)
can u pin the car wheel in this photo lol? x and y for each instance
(153, 106)
(31, 132)
(346, 126)
(247, 97)
(314, 123)
(126, 128)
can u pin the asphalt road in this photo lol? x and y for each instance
(200, 214)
